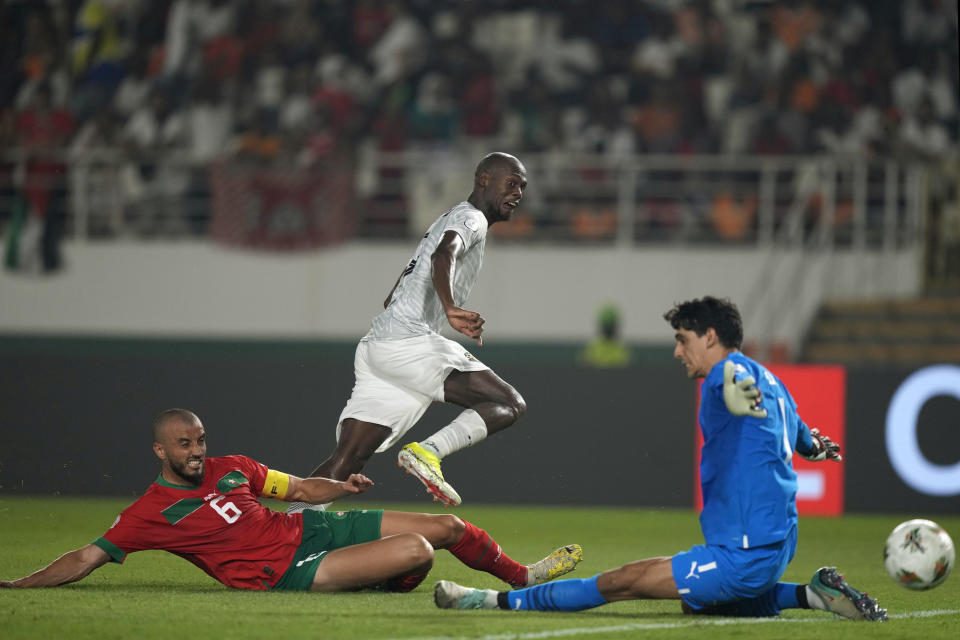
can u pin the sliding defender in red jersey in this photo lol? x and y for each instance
(208, 511)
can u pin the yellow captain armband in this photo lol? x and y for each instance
(276, 485)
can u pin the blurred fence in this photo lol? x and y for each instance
(685, 200)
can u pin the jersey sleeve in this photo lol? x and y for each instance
(254, 472)
(804, 444)
(126, 535)
(264, 482)
(116, 554)
(469, 224)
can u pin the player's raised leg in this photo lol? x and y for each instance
(478, 550)
(491, 406)
(497, 403)
(357, 442)
(402, 560)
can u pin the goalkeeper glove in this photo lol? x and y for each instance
(823, 448)
(742, 398)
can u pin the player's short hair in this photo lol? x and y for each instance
(701, 314)
(496, 160)
(167, 415)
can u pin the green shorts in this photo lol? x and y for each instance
(324, 531)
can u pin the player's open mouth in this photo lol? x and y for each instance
(195, 464)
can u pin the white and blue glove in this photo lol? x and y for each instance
(741, 397)
(823, 448)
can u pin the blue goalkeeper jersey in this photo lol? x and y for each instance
(746, 475)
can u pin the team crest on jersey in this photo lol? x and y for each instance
(340, 514)
(469, 356)
(231, 481)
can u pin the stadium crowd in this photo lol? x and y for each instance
(297, 82)
(309, 77)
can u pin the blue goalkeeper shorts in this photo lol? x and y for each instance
(708, 575)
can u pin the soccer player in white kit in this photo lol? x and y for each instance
(403, 364)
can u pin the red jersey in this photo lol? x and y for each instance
(219, 526)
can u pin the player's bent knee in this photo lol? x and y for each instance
(453, 528)
(515, 405)
(416, 549)
(422, 556)
(519, 405)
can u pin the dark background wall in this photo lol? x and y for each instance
(74, 419)
(78, 423)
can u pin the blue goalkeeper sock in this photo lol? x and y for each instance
(562, 595)
(784, 595)
(788, 595)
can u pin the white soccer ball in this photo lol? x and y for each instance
(919, 554)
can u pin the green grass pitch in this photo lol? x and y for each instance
(157, 595)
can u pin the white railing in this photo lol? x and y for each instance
(813, 202)
(783, 201)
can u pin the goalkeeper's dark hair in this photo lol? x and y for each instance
(701, 314)
(165, 416)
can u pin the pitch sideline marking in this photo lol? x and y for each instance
(559, 633)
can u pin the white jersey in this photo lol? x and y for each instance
(414, 307)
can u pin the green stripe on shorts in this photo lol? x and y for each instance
(324, 531)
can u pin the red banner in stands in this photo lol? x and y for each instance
(281, 210)
(820, 394)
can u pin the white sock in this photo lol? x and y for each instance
(466, 430)
(814, 600)
(490, 601)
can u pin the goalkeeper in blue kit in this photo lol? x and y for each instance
(751, 431)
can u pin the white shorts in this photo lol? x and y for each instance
(396, 380)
